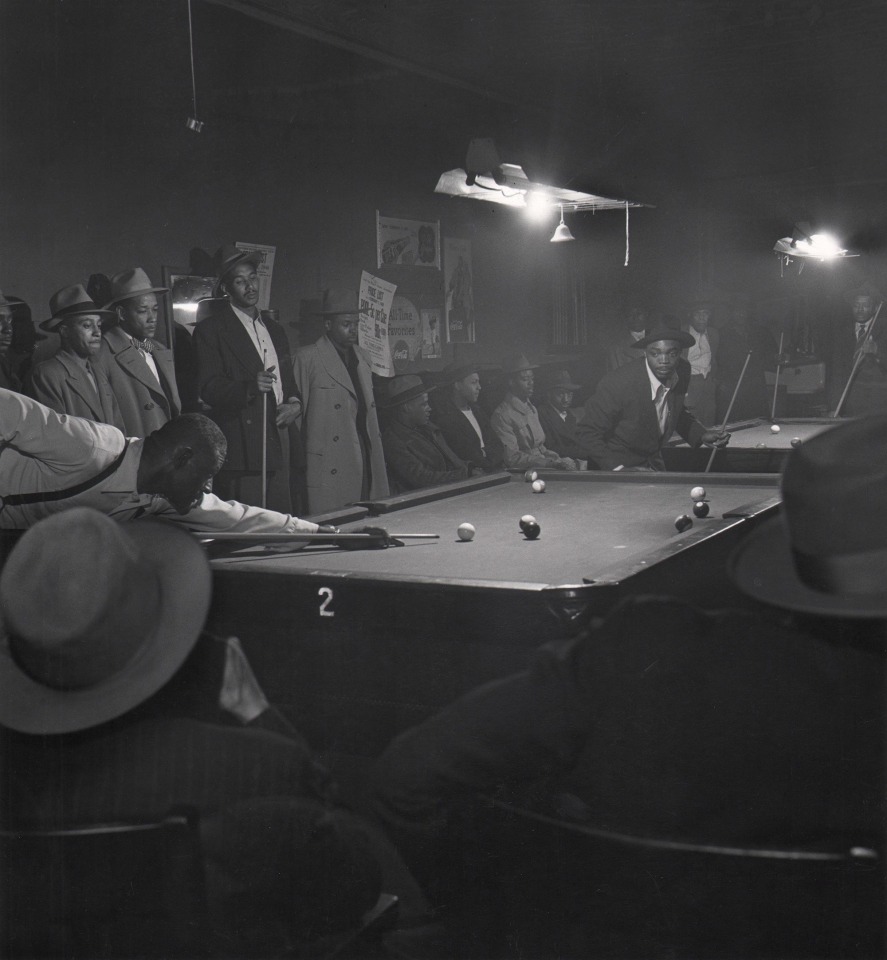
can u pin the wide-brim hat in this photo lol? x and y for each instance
(402, 389)
(338, 302)
(662, 332)
(827, 552)
(158, 622)
(227, 257)
(559, 380)
(454, 372)
(517, 363)
(70, 302)
(129, 284)
(23, 325)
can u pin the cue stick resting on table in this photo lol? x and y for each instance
(373, 538)
(776, 379)
(859, 354)
(729, 410)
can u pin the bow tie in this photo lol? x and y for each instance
(144, 345)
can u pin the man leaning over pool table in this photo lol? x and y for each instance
(637, 407)
(51, 462)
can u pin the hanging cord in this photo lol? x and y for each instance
(193, 75)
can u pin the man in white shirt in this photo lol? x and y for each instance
(51, 462)
(139, 367)
(701, 399)
(243, 367)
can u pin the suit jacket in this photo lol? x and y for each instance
(9, 379)
(462, 438)
(419, 457)
(62, 384)
(620, 426)
(227, 366)
(561, 435)
(328, 423)
(870, 380)
(145, 404)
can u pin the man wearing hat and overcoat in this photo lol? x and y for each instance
(243, 356)
(415, 450)
(558, 420)
(636, 408)
(761, 726)
(465, 427)
(516, 422)
(74, 381)
(139, 367)
(344, 459)
(862, 343)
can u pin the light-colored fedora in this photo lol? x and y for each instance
(69, 302)
(131, 283)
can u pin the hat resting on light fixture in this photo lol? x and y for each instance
(561, 231)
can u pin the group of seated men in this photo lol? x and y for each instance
(311, 433)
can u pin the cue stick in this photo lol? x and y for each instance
(312, 537)
(776, 381)
(264, 438)
(714, 450)
(860, 353)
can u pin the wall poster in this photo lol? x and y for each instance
(410, 243)
(376, 297)
(458, 289)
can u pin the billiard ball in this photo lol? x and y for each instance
(532, 530)
(466, 531)
(697, 493)
(538, 486)
(682, 523)
(760, 446)
(530, 476)
(525, 519)
(700, 509)
(774, 428)
(796, 441)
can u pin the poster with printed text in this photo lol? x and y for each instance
(410, 243)
(431, 334)
(376, 298)
(265, 269)
(458, 289)
(404, 332)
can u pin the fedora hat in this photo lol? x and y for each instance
(401, 389)
(71, 302)
(131, 283)
(662, 332)
(558, 380)
(517, 363)
(97, 616)
(227, 257)
(453, 372)
(338, 301)
(827, 552)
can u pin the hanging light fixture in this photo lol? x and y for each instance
(192, 123)
(562, 231)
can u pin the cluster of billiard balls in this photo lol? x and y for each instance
(529, 527)
(532, 477)
(700, 509)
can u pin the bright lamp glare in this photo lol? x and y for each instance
(539, 207)
(822, 245)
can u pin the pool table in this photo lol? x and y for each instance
(355, 646)
(752, 448)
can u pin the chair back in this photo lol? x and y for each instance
(111, 890)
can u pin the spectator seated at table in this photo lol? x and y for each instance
(667, 721)
(416, 453)
(558, 420)
(635, 409)
(464, 425)
(516, 422)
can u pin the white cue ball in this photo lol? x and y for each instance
(774, 428)
(538, 486)
(466, 531)
(697, 493)
(528, 518)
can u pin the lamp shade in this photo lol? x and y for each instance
(562, 233)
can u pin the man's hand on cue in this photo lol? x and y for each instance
(265, 380)
(714, 438)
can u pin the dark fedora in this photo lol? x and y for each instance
(827, 552)
(454, 372)
(401, 389)
(227, 257)
(558, 380)
(661, 332)
(339, 302)
(517, 363)
(97, 616)
(69, 302)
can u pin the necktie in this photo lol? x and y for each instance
(661, 407)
